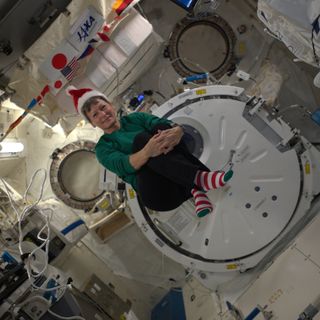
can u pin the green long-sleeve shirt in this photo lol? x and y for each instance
(113, 150)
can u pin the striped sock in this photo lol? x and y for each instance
(202, 203)
(212, 180)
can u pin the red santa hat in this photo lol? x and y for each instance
(80, 96)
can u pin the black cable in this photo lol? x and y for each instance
(3, 70)
(312, 40)
(161, 95)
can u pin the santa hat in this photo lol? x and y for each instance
(80, 96)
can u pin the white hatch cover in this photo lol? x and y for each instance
(256, 205)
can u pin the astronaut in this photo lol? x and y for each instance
(149, 153)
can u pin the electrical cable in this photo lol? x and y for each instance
(62, 286)
(140, 9)
(293, 107)
(160, 94)
(3, 70)
(220, 312)
(316, 57)
(67, 318)
(28, 209)
(9, 197)
(46, 244)
(42, 186)
(30, 299)
(48, 305)
(210, 76)
(20, 217)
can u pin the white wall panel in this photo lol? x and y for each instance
(292, 282)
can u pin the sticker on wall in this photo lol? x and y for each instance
(201, 91)
(231, 266)
(132, 193)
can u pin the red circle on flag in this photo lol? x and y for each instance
(59, 61)
(58, 84)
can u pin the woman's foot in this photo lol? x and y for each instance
(202, 203)
(212, 180)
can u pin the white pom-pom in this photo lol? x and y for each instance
(69, 89)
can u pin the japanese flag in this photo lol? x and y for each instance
(57, 60)
(57, 85)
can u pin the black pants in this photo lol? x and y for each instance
(165, 181)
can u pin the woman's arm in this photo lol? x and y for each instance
(138, 159)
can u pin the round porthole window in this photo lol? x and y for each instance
(193, 140)
(74, 175)
(205, 45)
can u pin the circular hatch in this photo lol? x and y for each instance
(205, 45)
(74, 175)
(251, 211)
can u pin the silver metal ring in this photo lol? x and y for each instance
(60, 158)
(184, 65)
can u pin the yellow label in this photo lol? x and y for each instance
(275, 296)
(232, 266)
(242, 47)
(201, 91)
(104, 204)
(132, 194)
(307, 167)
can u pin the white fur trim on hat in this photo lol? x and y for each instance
(70, 88)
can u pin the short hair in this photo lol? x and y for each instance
(90, 102)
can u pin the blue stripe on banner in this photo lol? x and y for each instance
(32, 104)
(86, 52)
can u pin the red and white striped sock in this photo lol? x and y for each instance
(202, 203)
(212, 180)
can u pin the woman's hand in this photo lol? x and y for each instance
(155, 146)
(161, 143)
(171, 137)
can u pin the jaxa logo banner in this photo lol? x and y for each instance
(85, 28)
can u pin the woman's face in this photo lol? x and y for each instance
(103, 116)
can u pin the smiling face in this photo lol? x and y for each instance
(101, 114)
